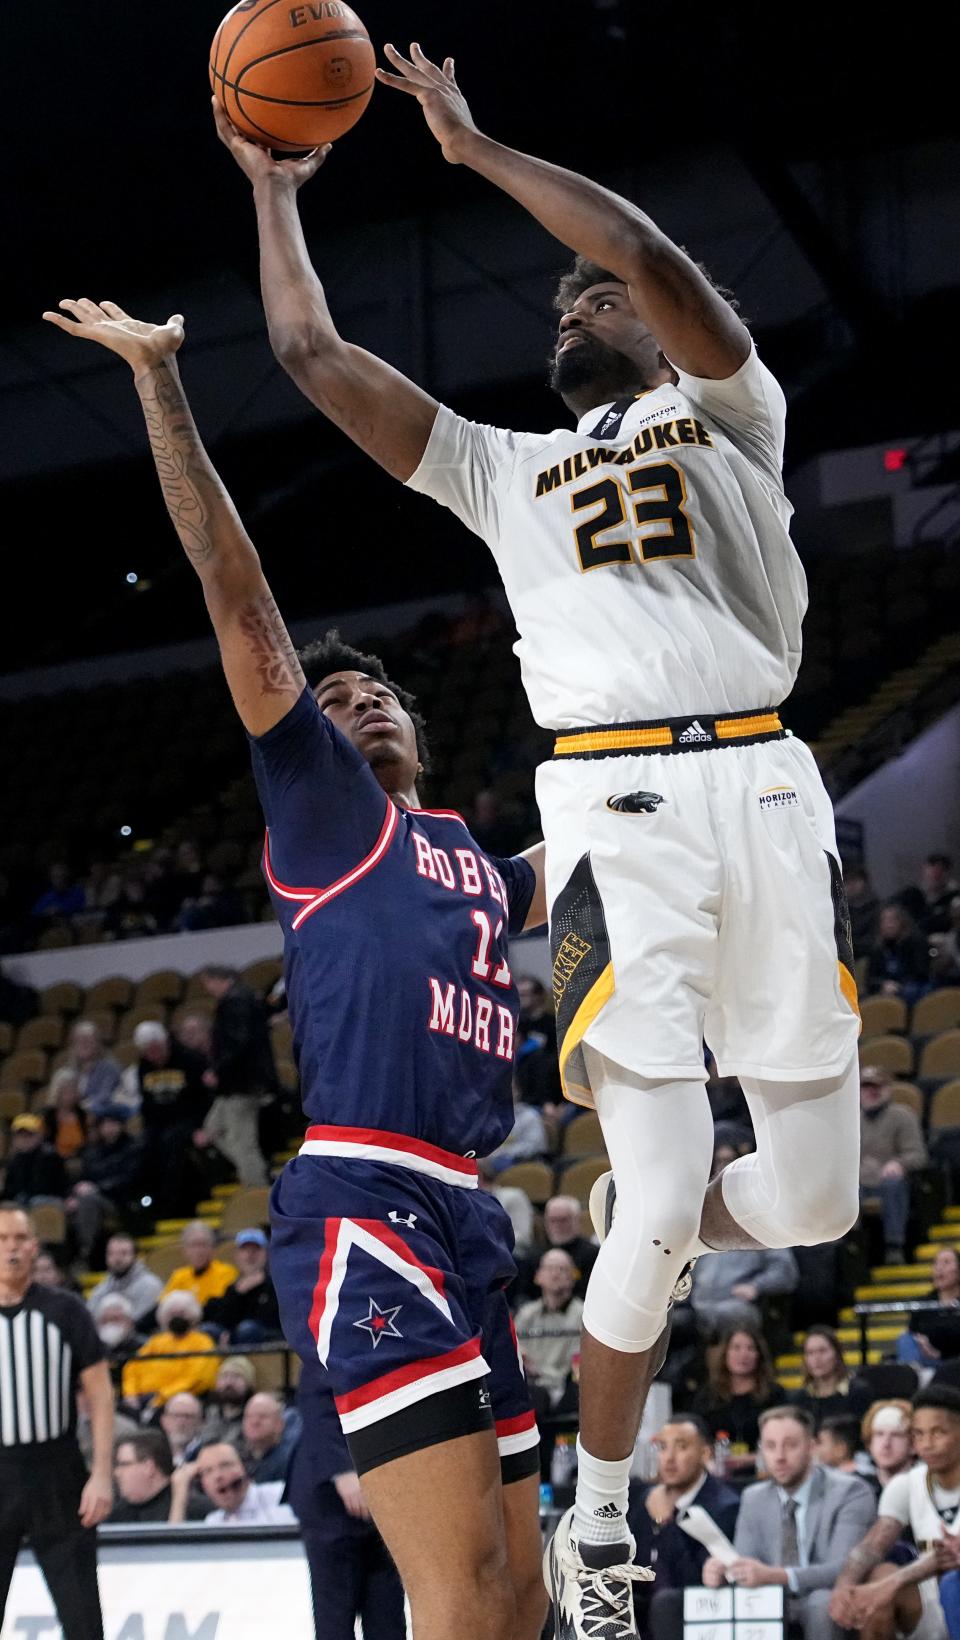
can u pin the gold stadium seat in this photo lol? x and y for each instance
(105, 1020)
(156, 1012)
(164, 1260)
(49, 1223)
(164, 986)
(535, 1179)
(580, 1179)
(938, 1011)
(124, 1053)
(109, 993)
(27, 1065)
(945, 1106)
(891, 1053)
(584, 1136)
(880, 1015)
(247, 1209)
(262, 976)
(13, 1102)
(941, 1056)
(46, 1031)
(65, 998)
(907, 1093)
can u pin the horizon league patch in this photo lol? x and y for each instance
(636, 802)
(778, 797)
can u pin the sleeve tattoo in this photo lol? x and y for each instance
(270, 646)
(181, 464)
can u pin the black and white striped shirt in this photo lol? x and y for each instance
(46, 1341)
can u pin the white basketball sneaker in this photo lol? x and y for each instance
(590, 1603)
(603, 1205)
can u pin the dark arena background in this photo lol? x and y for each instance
(810, 157)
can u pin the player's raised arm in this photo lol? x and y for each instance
(387, 415)
(695, 326)
(261, 666)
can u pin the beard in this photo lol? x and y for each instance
(592, 364)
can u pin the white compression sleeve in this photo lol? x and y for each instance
(659, 1138)
(800, 1186)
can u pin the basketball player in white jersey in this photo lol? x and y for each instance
(691, 858)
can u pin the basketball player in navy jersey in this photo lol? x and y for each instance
(389, 1262)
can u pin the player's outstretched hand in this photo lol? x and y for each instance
(436, 90)
(142, 345)
(258, 163)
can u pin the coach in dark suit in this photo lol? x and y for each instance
(797, 1528)
(685, 1448)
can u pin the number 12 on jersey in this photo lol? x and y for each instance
(658, 496)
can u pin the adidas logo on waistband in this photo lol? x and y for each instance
(695, 731)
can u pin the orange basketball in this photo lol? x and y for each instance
(292, 75)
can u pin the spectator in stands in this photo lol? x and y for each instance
(130, 917)
(202, 1275)
(98, 1074)
(237, 1500)
(876, 1597)
(35, 1173)
(945, 963)
(167, 1080)
(864, 908)
(267, 1442)
(147, 1383)
(536, 1008)
(127, 1275)
(233, 1386)
(838, 1443)
(195, 1032)
(561, 1222)
(537, 1072)
(218, 905)
(181, 1420)
(117, 1331)
(548, 1328)
(934, 1334)
(740, 1387)
(63, 898)
(109, 1168)
(526, 1141)
(684, 1452)
(495, 833)
(66, 1120)
(929, 905)
(825, 1392)
(248, 1312)
(728, 1288)
(242, 1073)
(891, 1148)
(516, 1204)
(899, 957)
(888, 1439)
(142, 1470)
(796, 1529)
(49, 1272)
(122, 1425)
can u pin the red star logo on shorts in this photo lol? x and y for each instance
(380, 1323)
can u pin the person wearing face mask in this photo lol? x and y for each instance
(147, 1382)
(117, 1332)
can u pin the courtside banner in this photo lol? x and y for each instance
(189, 1589)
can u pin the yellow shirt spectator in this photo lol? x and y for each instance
(194, 1372)
(203, 1284)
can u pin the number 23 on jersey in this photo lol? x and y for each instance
(652, 510)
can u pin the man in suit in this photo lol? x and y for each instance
(685, 1447)
(797, 1528)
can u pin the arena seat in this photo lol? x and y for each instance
(45, 1031)
(580, 1179)
(907, 1093)
(27, 1066)
(937, 1011)
(246, 1209)
(940, 1057)
(163, 986)
(116, 992)
(535, 1179)
(65, 998)
(945, 1106)
(584, 1136)
(882, 1015)
(49, 1224)
(163, 1260)
(13, 1102)
(890, 1053)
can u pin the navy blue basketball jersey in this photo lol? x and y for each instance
(395, 923)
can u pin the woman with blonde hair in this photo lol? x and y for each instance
(825, 1391)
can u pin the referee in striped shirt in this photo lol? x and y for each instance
(48, 1348)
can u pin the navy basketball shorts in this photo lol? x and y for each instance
(390, 1266)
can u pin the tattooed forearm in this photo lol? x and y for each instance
(270, 646)
(191, 488)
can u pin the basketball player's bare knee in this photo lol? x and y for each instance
(482, 1588)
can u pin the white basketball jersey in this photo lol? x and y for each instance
(645, 554)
